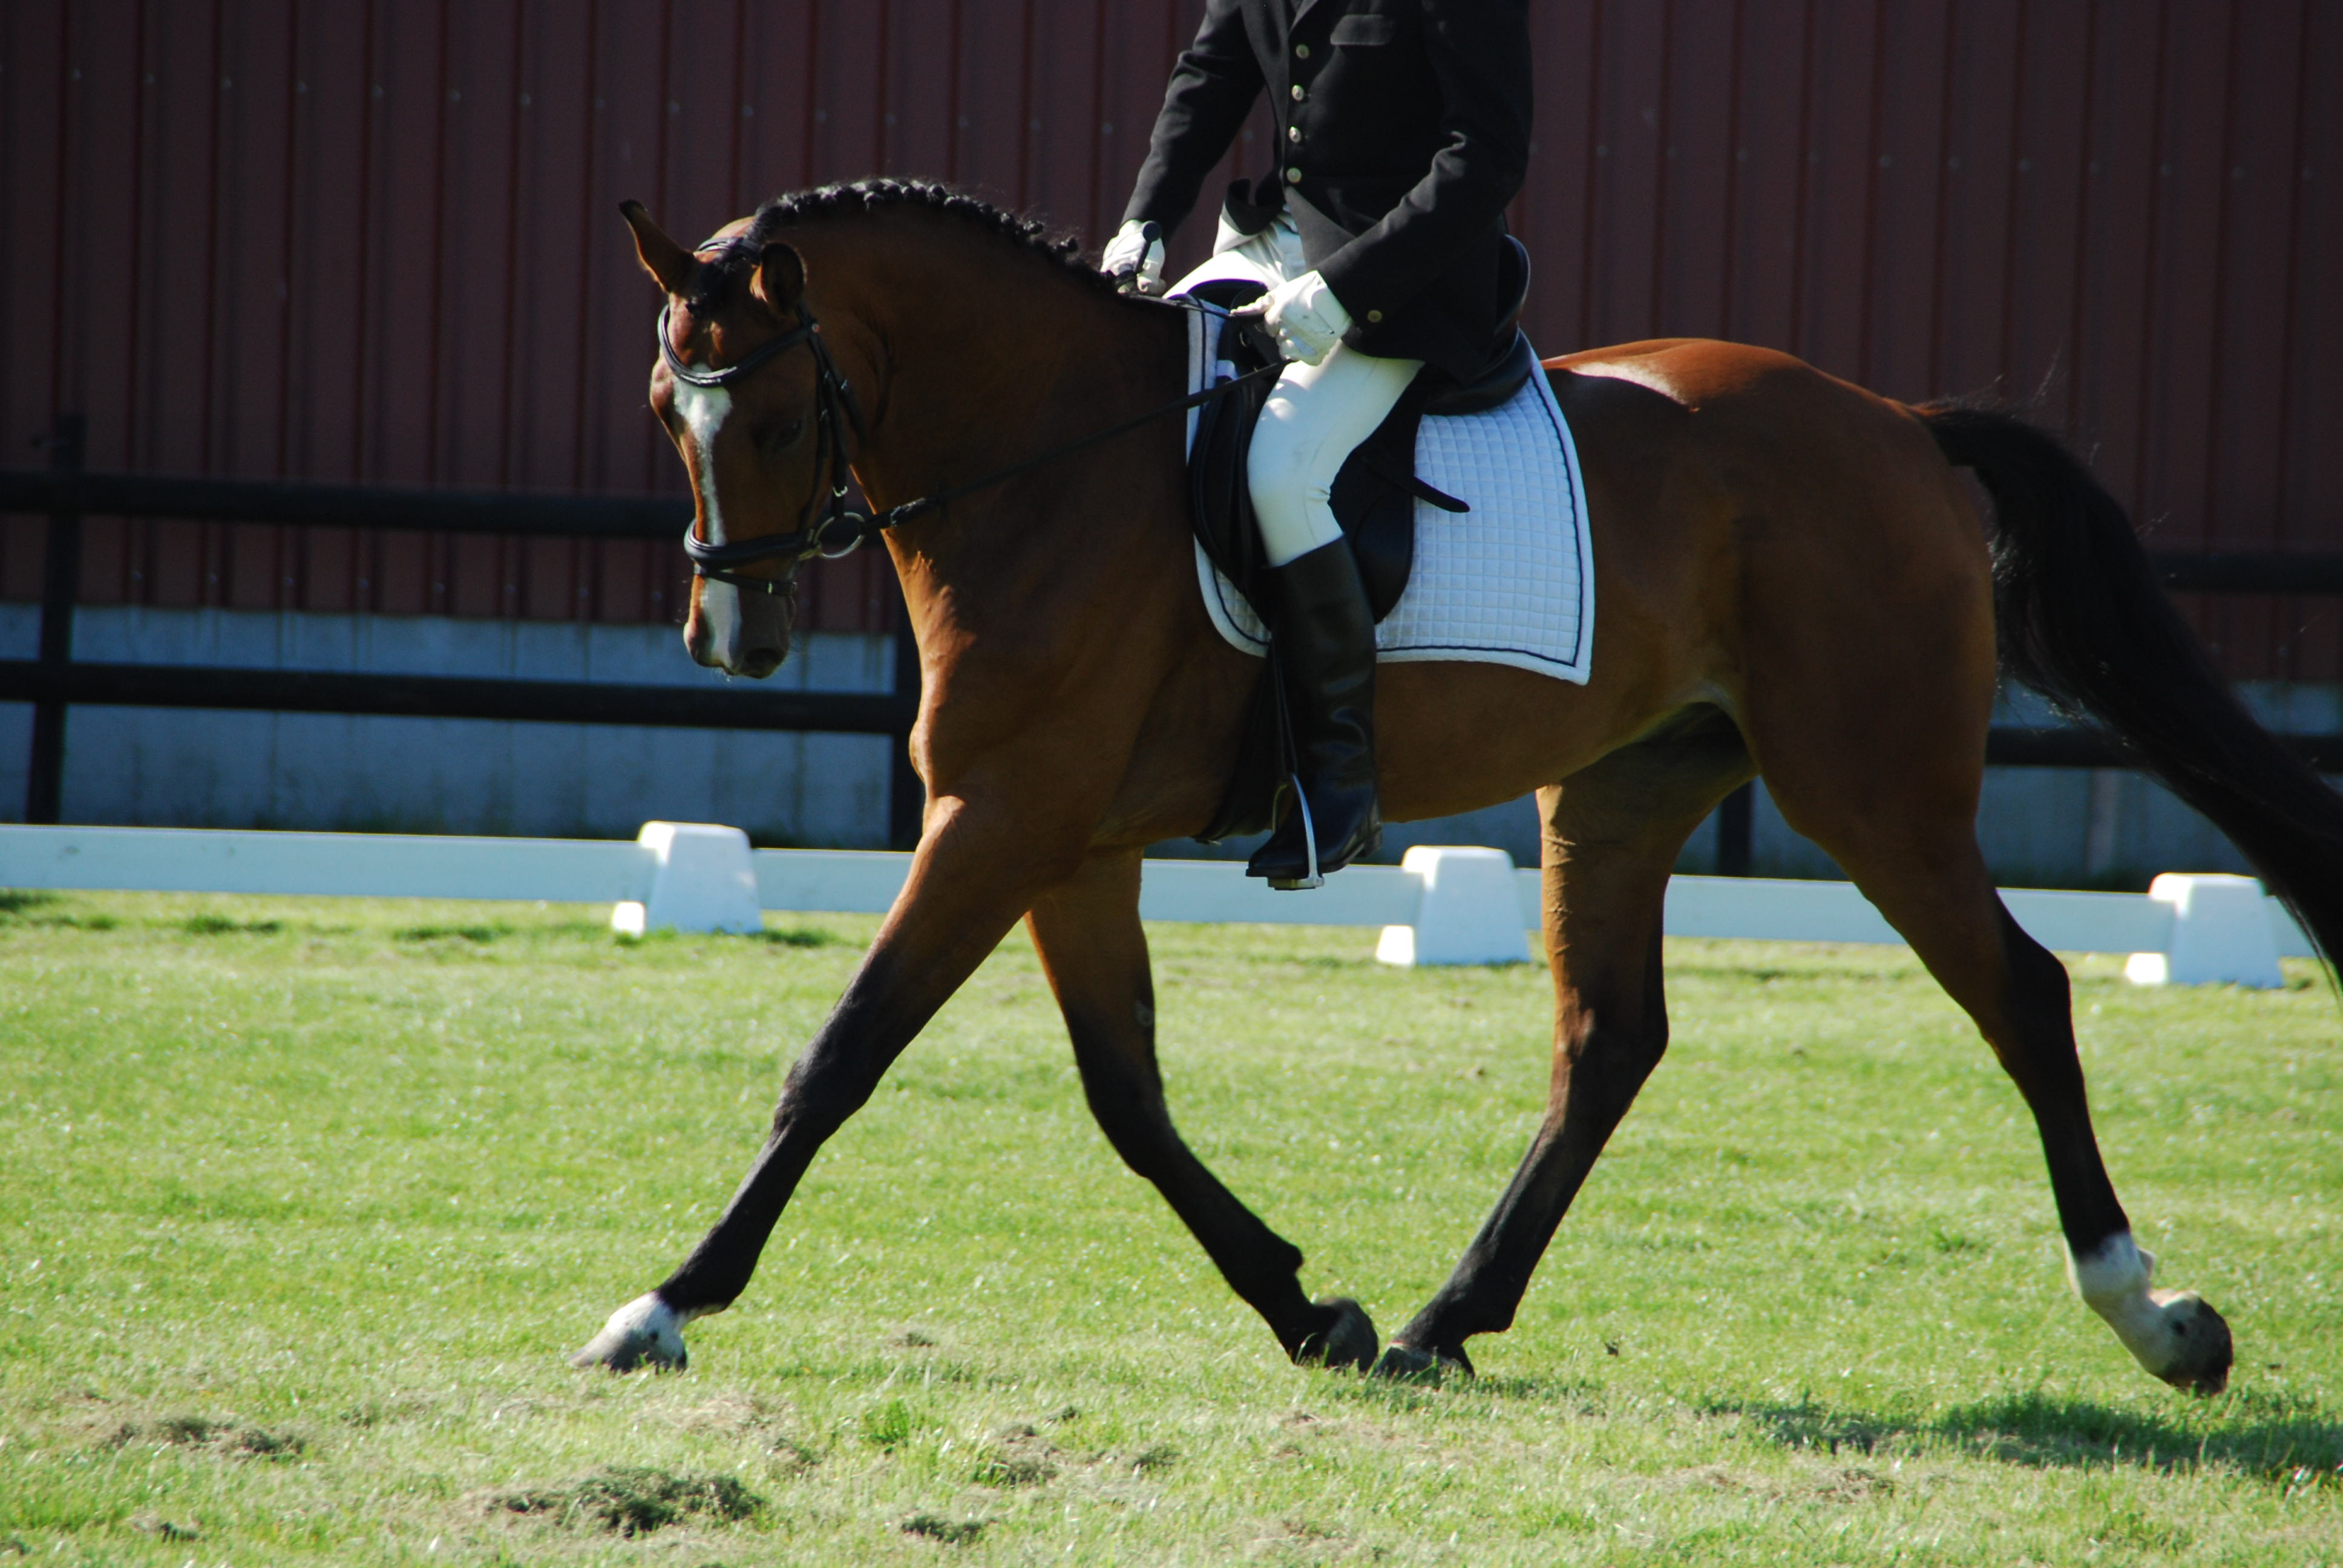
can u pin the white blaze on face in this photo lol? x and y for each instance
(704, 411)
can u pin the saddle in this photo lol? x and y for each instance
(1374, 497)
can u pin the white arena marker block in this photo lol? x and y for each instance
(702, 880)
(1470, 913)
(2220, 935)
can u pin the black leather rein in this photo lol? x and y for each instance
(840, 530)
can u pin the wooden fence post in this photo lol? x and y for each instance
(60, 586)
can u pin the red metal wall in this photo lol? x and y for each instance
(375, 239)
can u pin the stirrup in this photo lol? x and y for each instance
(1308, 847)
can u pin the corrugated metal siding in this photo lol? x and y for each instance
(374, 239)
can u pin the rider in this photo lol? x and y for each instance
(1403, 130)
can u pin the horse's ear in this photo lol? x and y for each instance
(781, 278)
(668, 263)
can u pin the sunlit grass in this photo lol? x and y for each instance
(303, 1202)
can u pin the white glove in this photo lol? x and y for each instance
(1136, 253)
(1305, 315)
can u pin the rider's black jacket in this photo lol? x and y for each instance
(1403, 130)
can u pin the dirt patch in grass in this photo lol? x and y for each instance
(154, 1524)
(226, 1437)
(950, 1531)
(753, 1418)
(1821, 1484)
(368, 1413)
(1155, 1459)
(632, 1500)
(1019, 1456)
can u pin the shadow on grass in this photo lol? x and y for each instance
(772, 936)
(210, 925)
(473, 933)
(2277, 1438)
(19, 906)
(796, 936)
(1557, 1395)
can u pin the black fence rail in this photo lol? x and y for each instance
(53, 682)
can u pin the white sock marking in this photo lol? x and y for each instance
(645, 1328)
(2113, 1281)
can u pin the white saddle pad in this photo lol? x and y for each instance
(1511, 581)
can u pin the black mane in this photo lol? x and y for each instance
(731, 266)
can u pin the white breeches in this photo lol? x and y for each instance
(1316, 415)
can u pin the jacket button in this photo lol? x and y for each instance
(1301, 51)
(1294, 133)
(1374, 316)
(1294, 177)
(1298, 93)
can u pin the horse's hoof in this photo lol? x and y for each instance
(644, 1332)
(2199, 1339)
(2174, 1334)
(1407, 1363)
(1348, 1340)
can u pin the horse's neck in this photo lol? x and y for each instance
(991, 360)
(983, 366)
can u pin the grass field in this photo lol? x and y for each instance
(303, 1203)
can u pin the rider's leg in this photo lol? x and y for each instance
(1315, 417)
(1317, 610)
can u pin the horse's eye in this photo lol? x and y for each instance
(780, 439)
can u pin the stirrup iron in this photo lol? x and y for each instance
(1309, 845)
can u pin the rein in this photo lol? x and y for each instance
(841, 530)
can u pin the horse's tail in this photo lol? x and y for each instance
(2083, 620)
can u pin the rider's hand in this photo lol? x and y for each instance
(1305, 315)
(1134, 258)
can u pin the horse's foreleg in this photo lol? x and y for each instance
(1088, 932)
(1610, 839)
(974, 875)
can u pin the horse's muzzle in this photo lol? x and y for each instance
(745, 634)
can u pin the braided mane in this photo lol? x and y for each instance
(730, 268)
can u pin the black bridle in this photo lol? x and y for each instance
(835, 409)
(839, 530)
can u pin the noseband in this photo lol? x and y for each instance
(839, 530)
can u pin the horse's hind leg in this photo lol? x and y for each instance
(1610, 839)
(1903, 828)
(1095, 954)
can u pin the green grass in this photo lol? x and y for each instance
(302, 1202)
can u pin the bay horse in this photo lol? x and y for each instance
(1792, 583)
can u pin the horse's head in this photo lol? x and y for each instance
(738, 385)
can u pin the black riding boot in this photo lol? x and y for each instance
(1326, 641)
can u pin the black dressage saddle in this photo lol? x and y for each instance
(1373, 496)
